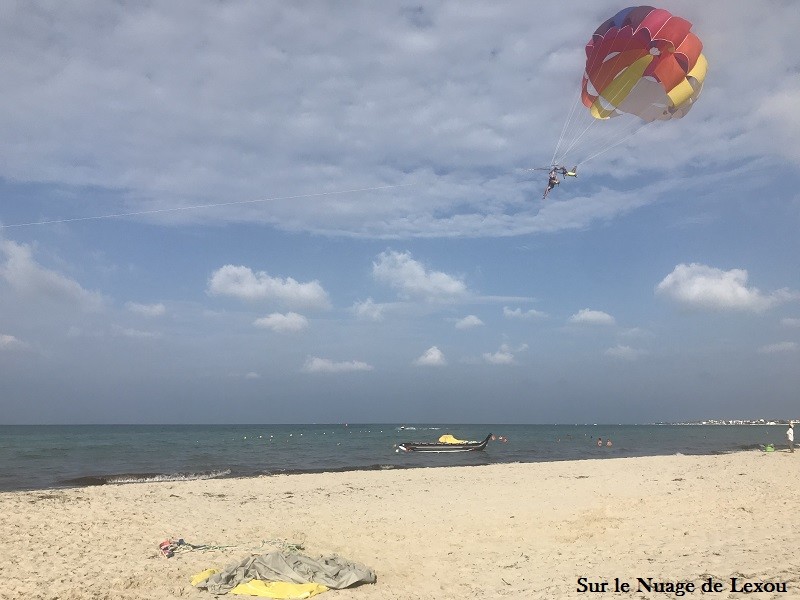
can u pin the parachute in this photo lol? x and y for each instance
(644, 62)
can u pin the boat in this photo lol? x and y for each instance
(461, 446)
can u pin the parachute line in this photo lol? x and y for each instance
(579, 136)
(564, 129)
(199, 206)
(614, 145)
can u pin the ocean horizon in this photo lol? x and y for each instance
(35, 457)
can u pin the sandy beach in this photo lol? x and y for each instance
(500, 531)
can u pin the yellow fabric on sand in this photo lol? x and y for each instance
(449, 439)
(202, 576)
(278, 589)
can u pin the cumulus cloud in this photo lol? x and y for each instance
(241, 282)
(369, 310)
(501, 357)
(325, 365)
(504, 355)
(587, 316)
(290, 322)
(790, 322)
(137, 334)
(624, 352)
(518, 313)
(699, 286)
(778, 348)
(9, 342)
(779, 115)
(412, 280)
(636, 333)
(146, 310)
(432, 357)
(32, 280)
(468, 322)
(118, 54)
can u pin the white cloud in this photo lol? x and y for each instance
(369, 310)
(241, 282)
(325, 365)
(29, 278)
(636, 333)
(432, 357)
(147, 310)
(501, 357)
(9, 342)
(790, 322)
(362, 97)
(587, 316)
(137, 334)
(778, 348)
(252, 375)
(468, 322)
(702, 287)
(778, 114)
(411, 279)
(624, 352)
(281, 323)
(518, 313)
(504, 355)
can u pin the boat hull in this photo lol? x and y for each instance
(444, 448)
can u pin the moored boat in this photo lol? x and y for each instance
(459, 446)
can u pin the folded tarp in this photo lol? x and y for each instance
(331, 571)
(448, 438)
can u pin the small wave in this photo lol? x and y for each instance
(159, 477)
(123, 478)
(85, 481)
(348, 469)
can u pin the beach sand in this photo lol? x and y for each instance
(499, 531)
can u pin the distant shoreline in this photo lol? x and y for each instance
(732, 422)
(414, 425)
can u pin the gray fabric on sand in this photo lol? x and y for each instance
(331, 571)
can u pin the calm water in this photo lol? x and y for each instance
(39, 457)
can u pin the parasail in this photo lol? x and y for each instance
(643, 61)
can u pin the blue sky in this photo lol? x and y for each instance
(330, 218)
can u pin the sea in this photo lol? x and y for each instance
(36, 457)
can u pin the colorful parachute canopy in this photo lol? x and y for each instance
(643, 61)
